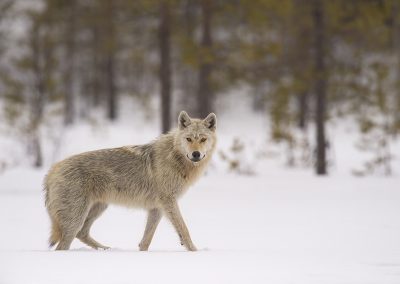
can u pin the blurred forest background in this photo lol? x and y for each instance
(305, 63)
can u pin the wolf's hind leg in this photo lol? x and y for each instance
(95, 211)
(71, 221)
(153, 219)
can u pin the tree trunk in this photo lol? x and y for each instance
(110, 63)
(188, 78)
(37, 100)
(37, 151)
(36, 119)
(396, 50)
(320, 84)
(205, 95)
(303, 109)
(164, 35)
(69, 104)
(111, 94)
(95, 66)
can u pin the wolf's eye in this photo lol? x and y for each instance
(203, 140)
(189, 139)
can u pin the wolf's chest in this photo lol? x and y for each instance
(189, 178)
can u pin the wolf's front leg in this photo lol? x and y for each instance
(173, 213)
(153, 218)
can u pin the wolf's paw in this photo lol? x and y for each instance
(191, 248)
(143, 247)
(102, 248)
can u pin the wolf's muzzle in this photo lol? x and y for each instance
(195, 157)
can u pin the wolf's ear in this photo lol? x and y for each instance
(211, 121)
(183, 120)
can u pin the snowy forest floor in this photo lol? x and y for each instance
(278, 225)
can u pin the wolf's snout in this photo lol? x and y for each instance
(196, 154)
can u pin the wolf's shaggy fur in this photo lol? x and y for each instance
(151, 176)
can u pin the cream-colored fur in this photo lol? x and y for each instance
(151, 176)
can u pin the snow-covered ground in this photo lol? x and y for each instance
(277, 226)
(287, 228)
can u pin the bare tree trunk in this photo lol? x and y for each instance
(111, 93)
(36, 116)
(188, 80)
(302, 61)
(95, 68)
(320, 84)
(110, 62)
(396, 50)
(205, 95)
(69, 104)
(164, 35)
(303, 109)
(37, 101)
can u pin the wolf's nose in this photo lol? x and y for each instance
(196, 154)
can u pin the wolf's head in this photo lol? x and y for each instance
(196, 137)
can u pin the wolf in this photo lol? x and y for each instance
(151, 176)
